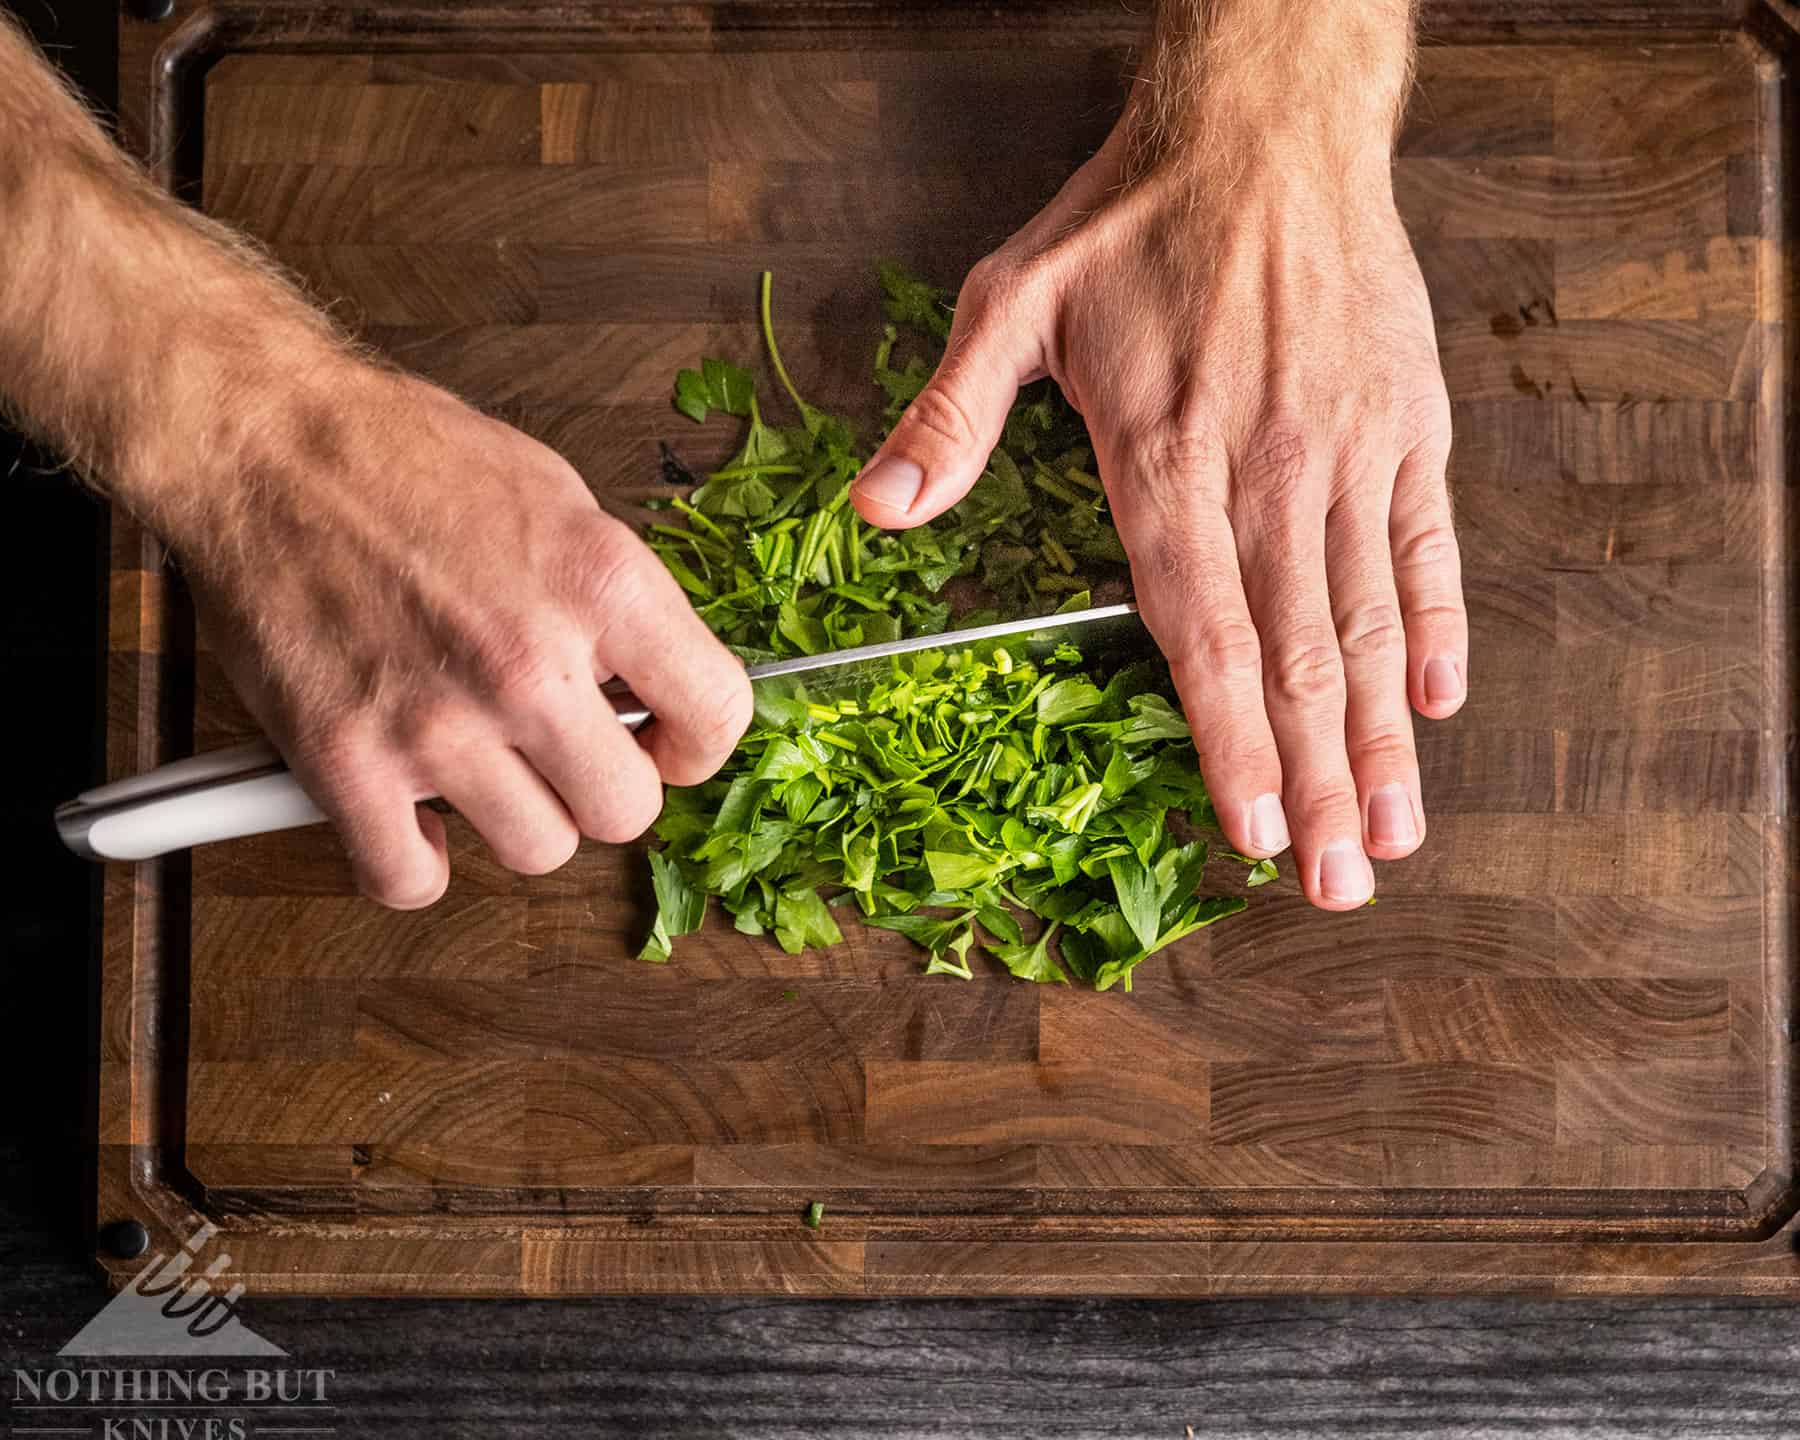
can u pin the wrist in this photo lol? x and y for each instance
(248, 398)
(155, 350)
(1232, 82)
(189, 365)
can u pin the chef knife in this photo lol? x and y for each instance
(247, 790)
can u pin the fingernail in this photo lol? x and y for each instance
(1391, 817)
(1442, 683)
(1268, 825)
(1344, 874)
(892, 481)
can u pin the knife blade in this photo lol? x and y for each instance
(248, 790)
(1097, 631)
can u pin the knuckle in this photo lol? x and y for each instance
(937, 411)
(520, 673)
(329, 745)
(1236, 762)
(1386, 748)
(1449, 623)
(353, 776)
(501, 651)
(1442, 619)
(981, 287)
(995, 288)
(611, 574)
(1425, 419)
(1279, 458)
(1229, 649)
(722, 717)
(1183, 452)
(1371, 631)
(434, 724)
(1308, 673)
(533, 685)
(1178, 549)
(1327, 806)
(1429, 547)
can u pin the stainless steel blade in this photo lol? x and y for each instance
(1104, 632)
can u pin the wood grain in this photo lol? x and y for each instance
(429, 284)
(1212, 1019)
(947, 1103)
(364, 125)
(587, 1104)
(1552, 1056)
(1613, 280)
(1657, 1103)
(1705, 446)
(589, 204)
(1527, 1022)
(1526, 196)
(804, 119)
(1479, 1103)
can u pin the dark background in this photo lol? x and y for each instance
(765, 1368)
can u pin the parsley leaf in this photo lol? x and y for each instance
(1033, 961)
(716, 385)
(680, 908)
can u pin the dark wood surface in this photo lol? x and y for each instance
(1556, 1047)
(1473, 1367)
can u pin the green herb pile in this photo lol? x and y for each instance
(777, 561)
(963, 784)
(967, 787)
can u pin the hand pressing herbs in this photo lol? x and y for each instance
(778, 563)
(958, 791)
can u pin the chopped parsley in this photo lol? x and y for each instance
(965, 789)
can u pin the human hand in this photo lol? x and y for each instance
(416, 600)
(412, 599)
(1228, 297)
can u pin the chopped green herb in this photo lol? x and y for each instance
(778, 563)
(950, 795)
(680, 907)
(963, 788)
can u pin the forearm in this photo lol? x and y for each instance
(1233, 79)
(136, 337)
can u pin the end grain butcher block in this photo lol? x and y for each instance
(1554, 1056)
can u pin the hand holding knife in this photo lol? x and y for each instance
(247, 790)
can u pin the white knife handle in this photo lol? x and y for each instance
(211, 809)
(220, 795)
(233, 760)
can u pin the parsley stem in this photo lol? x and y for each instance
(1044, 480)
(1059, 557)
(700, 519)
(768, 329)
(740, 472)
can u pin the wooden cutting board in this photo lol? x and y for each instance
(1555, 1056)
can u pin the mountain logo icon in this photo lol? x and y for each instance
(165, 1310)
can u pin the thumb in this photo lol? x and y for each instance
(939, 447)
